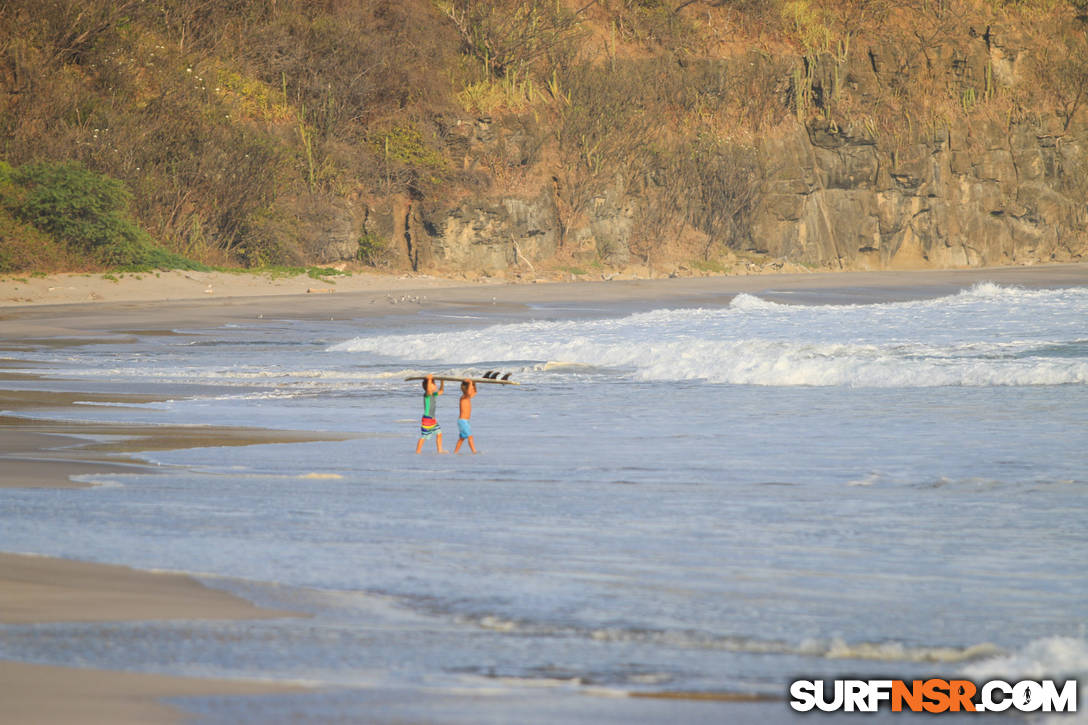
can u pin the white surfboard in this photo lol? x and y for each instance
(454, 379)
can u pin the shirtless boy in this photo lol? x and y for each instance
(464, 428)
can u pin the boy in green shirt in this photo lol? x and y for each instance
(428, 424)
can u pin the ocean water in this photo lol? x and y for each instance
(699, 500)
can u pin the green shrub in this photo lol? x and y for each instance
(407, 146)
(323, 274)
(373, 250)
(22, 247)
(85, 211)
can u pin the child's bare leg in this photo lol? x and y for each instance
(419, 446)
(471, 445)
(458, 446)
(438, 442)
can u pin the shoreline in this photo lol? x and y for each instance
(49, 453)
(34, 589)
(45, 453)
(37, 589)
(149, 309)
(52, 695)
(194, 287)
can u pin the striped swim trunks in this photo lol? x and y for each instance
(428, 426)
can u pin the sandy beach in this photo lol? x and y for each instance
(35, 589)
(41, 454)
(43, 589)
(69, 309)
(62, 695)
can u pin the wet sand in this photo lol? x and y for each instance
(45, 589)
(68, 695)
(50, 454)
(38, 453)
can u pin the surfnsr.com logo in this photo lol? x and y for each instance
(933, 696)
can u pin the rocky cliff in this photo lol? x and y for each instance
(987, 196)
(825, 197)
(544, 137)
(830, 188)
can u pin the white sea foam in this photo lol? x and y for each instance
(751, 302)
(97, 481)
(985, 336)
(992, 290)
(1042, 658)
(559, 365)
(1057, 658)
(227, 377)
(897, 651)
(834, 648)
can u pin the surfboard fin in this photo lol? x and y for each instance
(507, 376)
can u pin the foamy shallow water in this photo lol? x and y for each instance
(690, 499)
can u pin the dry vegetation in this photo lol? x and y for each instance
(241, 130)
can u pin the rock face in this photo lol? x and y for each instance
(964, 192)
(829, 198)
(328, 231)
(490, 235)
(1006, 196)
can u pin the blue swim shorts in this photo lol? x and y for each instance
(464, 429)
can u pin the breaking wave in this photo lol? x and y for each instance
(1042, 658)
(988, 335)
